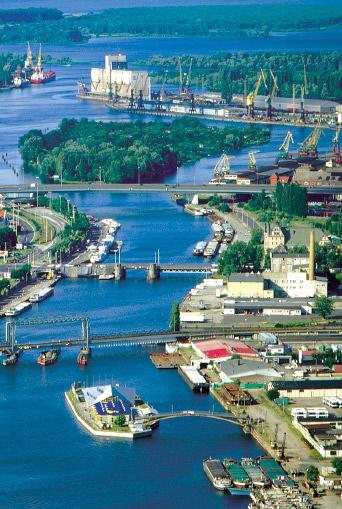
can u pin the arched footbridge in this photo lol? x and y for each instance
(221, 416)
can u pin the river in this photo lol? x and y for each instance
(48, 460)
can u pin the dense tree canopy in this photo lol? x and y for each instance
(123, 152)
(229, 73)
(242, 256)
(202, 20)
(8, 238)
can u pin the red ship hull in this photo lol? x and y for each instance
(48, 76)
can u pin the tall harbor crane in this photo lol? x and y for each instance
(308, 148)
(337, 147)
(271, 94)
(252, 160)
(252, 95)
(188, 78)
(180, 69)
(222, 168)
(281, 450)
(284, 147)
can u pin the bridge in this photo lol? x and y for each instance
(311, 333)
(221, 416)
(119, 269)
(157, 188)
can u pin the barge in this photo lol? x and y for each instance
(254, 472)
(217, 474)
(194, 379)
(275, 472)
(241, 484)
(18, 309)
(41, 295)
(211, 249)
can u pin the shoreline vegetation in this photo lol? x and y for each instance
(231, 73)
(50, 25)
(114, 152)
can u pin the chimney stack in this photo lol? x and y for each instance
(312, 256)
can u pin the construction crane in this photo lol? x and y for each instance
(281, 450)
(336, 147)
(284, 147)
(252, 95)
(308, 148)
(222, 168)
(274, 443)
(271, 95)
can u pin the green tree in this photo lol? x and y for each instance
(272, 394)
(312, 474)
(4, 285)
(323, 306)
(8, 238)
(174, 325)
(120, 420)
(214, 201)
(256, 237)
(337, 464)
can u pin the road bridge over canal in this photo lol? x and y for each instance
(311, 334)
(157, 188)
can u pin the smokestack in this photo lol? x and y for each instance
(312, 256)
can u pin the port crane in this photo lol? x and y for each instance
(274, 442)
(252, 95)
(188, 78)
(308, 148)
(271, 95)
(285, 146)
(281, 450)
(222, 167)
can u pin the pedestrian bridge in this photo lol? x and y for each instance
(221, 416)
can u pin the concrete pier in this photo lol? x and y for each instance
(119, 271)
(153, 272)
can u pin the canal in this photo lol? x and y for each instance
(48, 460)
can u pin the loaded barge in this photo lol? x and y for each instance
(217, 474)
(241, 483)
(194, 379)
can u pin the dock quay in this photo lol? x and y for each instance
(232, 394)
(286, 499)
(28, 294)
(163, 360)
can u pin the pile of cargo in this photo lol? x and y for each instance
(286, 499)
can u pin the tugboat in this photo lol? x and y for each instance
(39, 76)
(11, 358)
(83, 356)
(48, 357)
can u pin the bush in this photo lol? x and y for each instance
(272, 394)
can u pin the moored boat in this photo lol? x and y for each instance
(11, 358)
(83, 356)
(41, 295)
(48, 357)
(199, 248)
(18, 309)
(217, 474)
(238, 475)
(254, 472)
(39, 76)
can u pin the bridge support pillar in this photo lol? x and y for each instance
(119, 271)
(153, 272)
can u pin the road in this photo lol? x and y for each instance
(158, 188)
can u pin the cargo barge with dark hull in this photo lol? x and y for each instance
(194, 379)
(217, 474)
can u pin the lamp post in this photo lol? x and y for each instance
(139, 175)
(100, 175)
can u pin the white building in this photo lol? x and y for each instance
(117, 80)
(273, 237)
